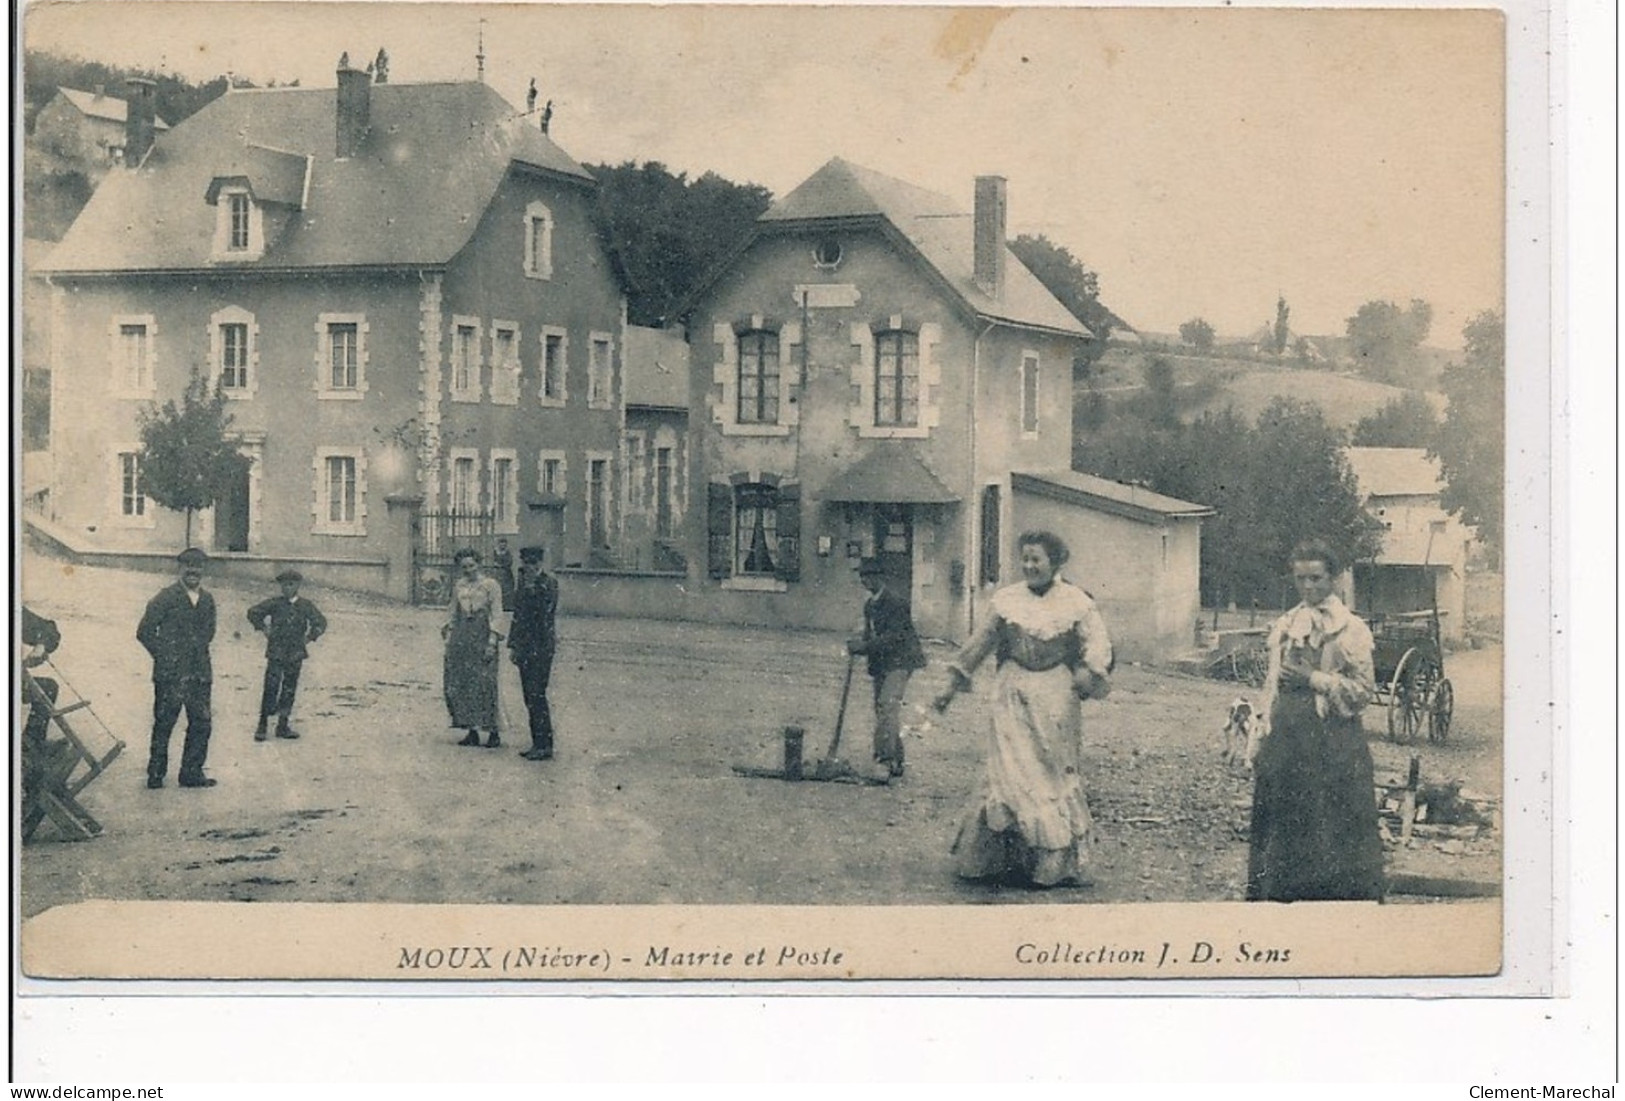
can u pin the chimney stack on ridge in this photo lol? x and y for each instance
(988, 257)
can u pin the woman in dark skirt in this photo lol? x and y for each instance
(1314, 827)
(471, 651)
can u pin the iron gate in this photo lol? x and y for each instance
(436, 537)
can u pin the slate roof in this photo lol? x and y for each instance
(272, 175)
(413, 196)
(111, 108)
(656, 368)
(936, 226)
(1395, 471)
(1105, 495)
(890, 474)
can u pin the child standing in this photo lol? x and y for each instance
(288, 622)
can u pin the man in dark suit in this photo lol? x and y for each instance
(176, 630)
(893, 649)
(532, 638)
(288, 622)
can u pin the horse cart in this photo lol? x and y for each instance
(1409, 660)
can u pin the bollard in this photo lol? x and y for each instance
(792, 752)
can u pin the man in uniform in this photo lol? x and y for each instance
(532, 637)
(176, 630)
(893, 650)
(288, 622)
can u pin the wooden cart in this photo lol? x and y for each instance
(1409, 659)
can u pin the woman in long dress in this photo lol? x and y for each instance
(472, 641)
(1030, 822)
(1314, 823)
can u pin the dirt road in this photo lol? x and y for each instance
(376, 802)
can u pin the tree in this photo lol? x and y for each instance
(1271, 484)
(1407, 421)
(1281, 333)
(1074, 284)
(1471, 443)
(668, 231)
(1197, 333)
(1386, 338)
(188, 460)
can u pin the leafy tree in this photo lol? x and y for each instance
(1386, 338)
(1281, 332)
(1197, 333)
(1162, 402)
(1271, 484)
(188, 460)
(1471, 443)
(669, 231)
(1075, 285)
(1407, 421)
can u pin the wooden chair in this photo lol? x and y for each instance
(55, 773)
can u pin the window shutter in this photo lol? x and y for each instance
(789, 530)
(719, 515)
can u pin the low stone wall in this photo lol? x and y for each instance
(356, 574)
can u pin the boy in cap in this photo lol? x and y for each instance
(893, 649)
(532, 638)
(176, 630)
(288, 622)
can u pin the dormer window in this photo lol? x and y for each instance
(237, 204)
(239, 230)
(538, 242)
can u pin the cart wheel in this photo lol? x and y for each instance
(1442, 711)
(1407, 698)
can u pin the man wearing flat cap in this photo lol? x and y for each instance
(532, 638)
(892, 648)
(288, 622)
(176, 630)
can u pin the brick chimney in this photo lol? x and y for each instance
(139, 119)
(989, 234)
(354, 109)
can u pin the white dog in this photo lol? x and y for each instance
(1243, 730)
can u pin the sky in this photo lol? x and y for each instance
(1203, 162)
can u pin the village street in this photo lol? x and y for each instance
(377, 803)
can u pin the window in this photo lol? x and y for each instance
(827, 253)
(134, 364)
(991, 541)
(600, 391)
(465, 359)
(554, 349)
(465, 481)
(538, 242)
(504, 363)
(239, 229)
(897, 378)
(550, 475)
(237, 214)
(133, 339)
(758, 377)
(634, 469)
(132, 501)
(597, 502)
(233, 334)
(663, 494)
(753, 530)
(341, 357)
(756, 531)
(504, 492)
(1029, 394)
(341, 351)
(234, 356)
(341, 491)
